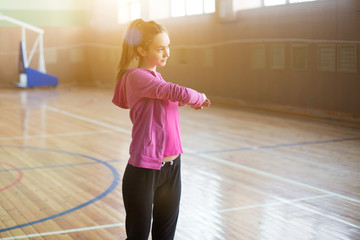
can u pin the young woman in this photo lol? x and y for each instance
(152, 181)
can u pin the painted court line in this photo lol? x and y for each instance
(48, 167)
(89, 120)
(296, 203)
(280, 145)
(54, 135)
(65, 231)
(213, 158)
(249, 169)
(273, 204)
(17, 180)
(332, 217)
(282, 201)
(53, 166)
(116, 180)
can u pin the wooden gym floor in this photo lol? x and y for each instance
(247, 174)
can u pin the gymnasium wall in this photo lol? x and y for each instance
(297, 57)
(303, 56)
(300, 55)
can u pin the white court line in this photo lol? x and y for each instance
(213, 158)
(295, 203)
(274, 203)
(282, 201)
(332, 217)
(65, 231)
(216, 159)
(358, 205)
(253, 170)
(88, 120)
(53, 135)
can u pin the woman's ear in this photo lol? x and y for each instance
(141, 51)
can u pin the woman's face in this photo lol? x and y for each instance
(157, 53)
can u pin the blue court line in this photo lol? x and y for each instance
(53, 166)
(116, 179)
(276, 146)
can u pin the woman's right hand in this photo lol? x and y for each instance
(206, 103)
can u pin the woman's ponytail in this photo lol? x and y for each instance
(129, 53)
(139, 33)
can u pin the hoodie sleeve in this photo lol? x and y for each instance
(144, 84)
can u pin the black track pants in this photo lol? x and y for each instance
(147, 192)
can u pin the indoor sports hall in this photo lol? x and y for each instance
(275, 157)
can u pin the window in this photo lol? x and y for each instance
(273, 2)
(248, 4)
(258, 56)
(347, 57)
(298, 1)
(194, 7)
(191, 7)
(158, 9)
(277, 56)
(299, 57)
(135, 10)
(177, 8)
(209, 6)
(279, 2)
(128, 10)
(326, 57)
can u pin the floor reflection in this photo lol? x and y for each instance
(201, 197)
(33, 104)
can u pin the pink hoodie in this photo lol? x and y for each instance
(145, 92)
